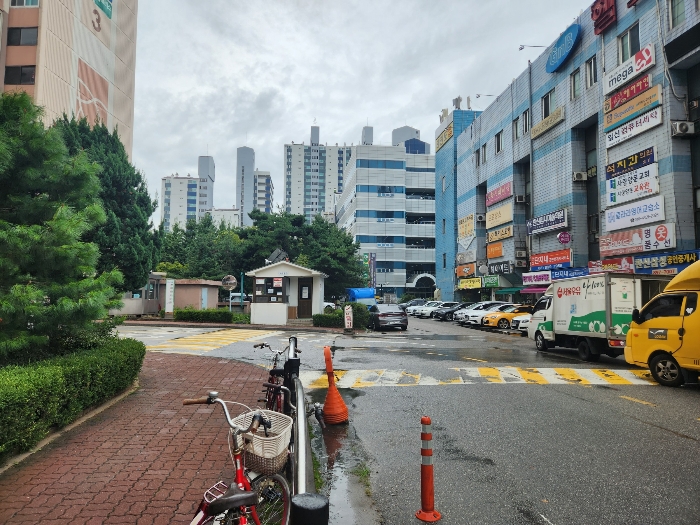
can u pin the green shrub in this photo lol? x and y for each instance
(407, 297)
(36, 398)
(240, 318)
(332, 320)
(360, 315)
(212, 315)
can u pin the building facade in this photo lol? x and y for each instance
(179, 200)
(206, 170)
(264, 191)
(245, 183)
(75, 57)
(313, 175)
(231, 217)
(388, 206)
(588, 160)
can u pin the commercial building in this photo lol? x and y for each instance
(76, 58)
(313, 175)
(264, 191)
(185, 198)
(245, 183)
(589, 160)
(388, 206)
(205, 189)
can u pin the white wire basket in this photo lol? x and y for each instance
(266, 454)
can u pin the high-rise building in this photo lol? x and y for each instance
(75, 57)
(179, 200)
(388, 206)
(264, 191)
(205, 193)
(245, 180)
(313, 174)
(403, 134)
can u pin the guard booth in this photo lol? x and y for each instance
(284, 291)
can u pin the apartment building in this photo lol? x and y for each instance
(185, 198)
(74, 57)
(264, 191)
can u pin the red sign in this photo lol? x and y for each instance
(564, 238)
(627, 93)
(502, 192)
(620, 265)
(541, 259)
(603, 15)
(649, 238)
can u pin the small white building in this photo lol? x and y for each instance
(285, 291)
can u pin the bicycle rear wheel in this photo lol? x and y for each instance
(273, 499)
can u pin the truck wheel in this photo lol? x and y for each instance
(666, 371)
(540, 342)
(584, 352)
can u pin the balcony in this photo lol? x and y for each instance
(420, 255)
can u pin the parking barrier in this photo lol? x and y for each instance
(334, 408)
(427, 511)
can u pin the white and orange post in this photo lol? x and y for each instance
(427, 511)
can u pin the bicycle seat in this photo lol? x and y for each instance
(277, 372)
(233, 498)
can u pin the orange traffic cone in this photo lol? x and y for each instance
(334, 409)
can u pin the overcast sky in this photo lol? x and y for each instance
(218, 74)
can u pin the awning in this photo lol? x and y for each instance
(534, 289)
(503, 291)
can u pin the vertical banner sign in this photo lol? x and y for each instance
(373, 270)
(348, 317)
(169, 298)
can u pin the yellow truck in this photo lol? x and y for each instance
(665, 334)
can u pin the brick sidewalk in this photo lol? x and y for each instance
(145, 460)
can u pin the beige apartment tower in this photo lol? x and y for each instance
(73, 56)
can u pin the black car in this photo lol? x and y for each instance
(412, 302)
(386, 316)
(447, 314)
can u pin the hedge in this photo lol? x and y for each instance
(35, 399)
(203, 316)
(332, 320)
(360, 316)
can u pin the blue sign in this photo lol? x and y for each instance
(569, 273)
(665, 263)
(562, 49)
(552, 267)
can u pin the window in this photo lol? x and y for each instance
(22, 36)
(629, 43)
(499, 142)
(526, 121)
(576, 84)
(24, 3)
(677, 12)
(19, 75)
(443, 185)
(477, 157)
(483, 154)
(548, 103)
(665, 306)
(591, 72)
(444, 260)
(444, 225)
(516, 129)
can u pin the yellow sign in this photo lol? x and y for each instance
(632, 109)
(554, 118)
(500, 215)
(465, 227)
(494, 250)
(444, 137)
(469, 284)
(501, 233)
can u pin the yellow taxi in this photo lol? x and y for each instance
(503, 318)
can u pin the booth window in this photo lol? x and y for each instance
(270, 290)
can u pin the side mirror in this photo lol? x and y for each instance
(636, 317)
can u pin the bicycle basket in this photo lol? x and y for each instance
(266, 455)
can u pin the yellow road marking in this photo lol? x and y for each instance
(530, 375)
(473, 359)
(571, 376)
(322, 382)
(455, 381)
(644, 374)
(415, 377)
(360, 382)
(639, 401)
(611, 377)
(492, 375)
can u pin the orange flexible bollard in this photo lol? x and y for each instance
(427, 511)
(334, 408)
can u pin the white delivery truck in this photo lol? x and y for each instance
(591, 314)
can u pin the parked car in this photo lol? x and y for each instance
(412, 302)
(476, 317)
(387, 316)
(521, 323)
(446, 313)
(502, 318)
(411, 310)
(427, 311)
(461, 316)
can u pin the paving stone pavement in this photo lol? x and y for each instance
(146, 460)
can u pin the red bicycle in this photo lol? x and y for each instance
(260, 499)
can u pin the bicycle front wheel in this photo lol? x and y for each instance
(273, 499)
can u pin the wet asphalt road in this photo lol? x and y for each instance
(512, 452)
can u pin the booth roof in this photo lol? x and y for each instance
(295, 270)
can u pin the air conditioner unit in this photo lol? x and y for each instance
(580, 176)
(520, 199)
(521, 254)
(521, 264)
(682, 128)
(480, 217)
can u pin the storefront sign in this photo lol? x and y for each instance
(564, 237)
(532, 278)
(620, 265)
(640, 62)
(634, 185)
(497, 268)
(632, 109)
(465, 270)
(465, 226)
(603, 15)
(347, 312)
(499, 234)
(627, 93)
(494, 249)
(444, 137)
(629, 164)
(550, 221)
(105, 6)
(568, 273)
(499, 215)
(491, 281)
(641, 212)
(470, 255)
(550, 260)
(665, 263)
(502, 192)
(169, 297)
(633, 128)
(554, 118)
(562, 49)
(648, 239)
(469, 284)
(277, 282)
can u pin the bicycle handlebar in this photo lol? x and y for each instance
(197, 401)
(261, 345)
(213, 397)
(285, 390)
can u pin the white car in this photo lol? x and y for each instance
(424, 311)
(476, 317)
(521, 323)
(411, 310)
(462, 316)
